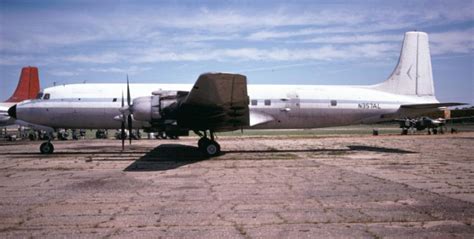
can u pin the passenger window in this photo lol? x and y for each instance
(46, 96)
(333, 102)
(114, 100)
(254, 102)
(268, 102)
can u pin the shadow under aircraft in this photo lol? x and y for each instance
(172, 156)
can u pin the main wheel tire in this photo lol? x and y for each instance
(46, 148)
(32, 136)
(202, 142)
(212, 148)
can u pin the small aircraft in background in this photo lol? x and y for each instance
(28, 88)
(219, 102)
(433, 126)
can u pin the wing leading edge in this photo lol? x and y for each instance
(430, 106)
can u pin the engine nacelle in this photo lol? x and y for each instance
(147, 108)
(157, 108)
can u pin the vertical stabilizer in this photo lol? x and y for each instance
(28, 86)
(413, 74)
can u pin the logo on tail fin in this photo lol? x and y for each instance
(28, 86)
(413, 74)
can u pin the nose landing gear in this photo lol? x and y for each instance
(47, 148)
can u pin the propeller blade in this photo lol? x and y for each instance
(122, 132)
(128, 93)
(129, 118)
(122, 99)
(122, 128)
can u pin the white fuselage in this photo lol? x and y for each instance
(271, 106)
(5, 120)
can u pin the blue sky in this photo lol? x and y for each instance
(272, 42)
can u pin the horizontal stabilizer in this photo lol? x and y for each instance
(430, 106)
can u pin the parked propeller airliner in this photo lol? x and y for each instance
(223, 102)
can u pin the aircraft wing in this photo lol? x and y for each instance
(400, 121)
(450, 120)
(217, 101)
(416, 110)
(430, 106)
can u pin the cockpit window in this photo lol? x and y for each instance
(46, 96)
(39, 96)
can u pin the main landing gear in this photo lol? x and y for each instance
(208, 145)
(47, 148)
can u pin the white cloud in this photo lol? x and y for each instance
(266, 34)
(322, 33)
(324, 53)
(102, 58)
(13, 60)
(354, 39)
(63, 73)
(230, 20)
(128, 70)
(461, 41)
(81, 71)
(277, 67)
(181, 34)
(66, 29)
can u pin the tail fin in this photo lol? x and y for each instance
(413, 74)
(28, 86)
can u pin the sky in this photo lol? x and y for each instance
(271, 42)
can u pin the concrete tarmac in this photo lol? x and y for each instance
(260, 187)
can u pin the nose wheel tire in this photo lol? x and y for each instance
(46, 148)
(210, 147)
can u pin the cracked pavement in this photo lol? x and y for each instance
(260, 187)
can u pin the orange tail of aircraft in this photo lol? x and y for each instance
(28, 86)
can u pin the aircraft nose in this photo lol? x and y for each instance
(12, 111)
